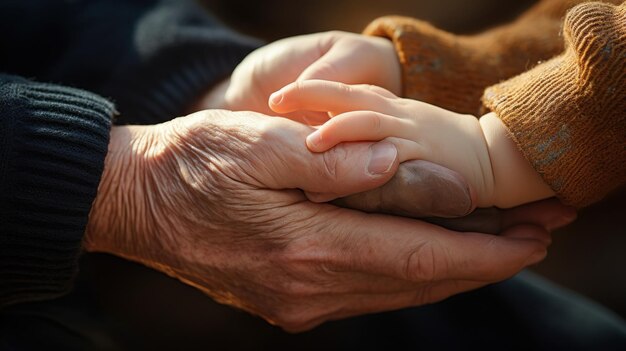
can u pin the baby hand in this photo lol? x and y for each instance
(419, 130)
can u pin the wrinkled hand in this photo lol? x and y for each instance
(349, 58)
(339, 56)
(212, 199)
(420, 189)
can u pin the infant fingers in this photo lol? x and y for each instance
(363, 126)
(327, 96)
(353, 126)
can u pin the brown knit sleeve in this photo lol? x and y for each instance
(568, 115)
(452, 71)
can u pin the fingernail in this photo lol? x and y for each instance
(314, 139)
(276, 98)
(382, 158)
(563, 220)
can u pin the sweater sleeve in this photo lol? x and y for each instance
(568, 115)
(53, 143)
(153, 58)
(452, 71)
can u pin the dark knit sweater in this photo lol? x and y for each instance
(65, 68)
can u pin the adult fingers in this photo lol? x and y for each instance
(340, 307)
(550, 213)
(420, 252)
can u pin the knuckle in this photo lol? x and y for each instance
(345, 88)
(375, 122)
(422, 263)
(297, 87)
(376, 89)
(304, 270)
(331, 161)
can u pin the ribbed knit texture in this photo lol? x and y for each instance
(153, 58)
(452, 71)
(568, 115)
(53, 143)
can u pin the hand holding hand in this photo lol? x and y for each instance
(419, 130)
(212, 199)
(339, 56)
(478, 151)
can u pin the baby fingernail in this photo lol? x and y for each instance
(276, 98)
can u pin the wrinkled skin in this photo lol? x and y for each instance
(212, 199)
(420, 189)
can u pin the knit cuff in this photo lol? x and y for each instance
(568, 114)
(54, 141)
(437, 67)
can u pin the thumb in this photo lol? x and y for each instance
(352, 168)
(346, 169)
(418, 189)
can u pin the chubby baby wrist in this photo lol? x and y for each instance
(119, 213)
(486, 191)
(515, 180)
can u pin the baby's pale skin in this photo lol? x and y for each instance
(482, 150)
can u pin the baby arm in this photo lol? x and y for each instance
(481, 151)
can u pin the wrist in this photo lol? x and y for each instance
(120, 215)
(483, 181)
(515, 181)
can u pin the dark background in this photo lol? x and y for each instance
(587, 257)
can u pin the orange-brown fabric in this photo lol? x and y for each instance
(452, 71)
(567, 115)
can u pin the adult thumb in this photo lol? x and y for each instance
(418, 189)
(346, 169)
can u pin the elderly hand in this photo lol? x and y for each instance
(419, 189)
(350, 58)
(212, 199)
